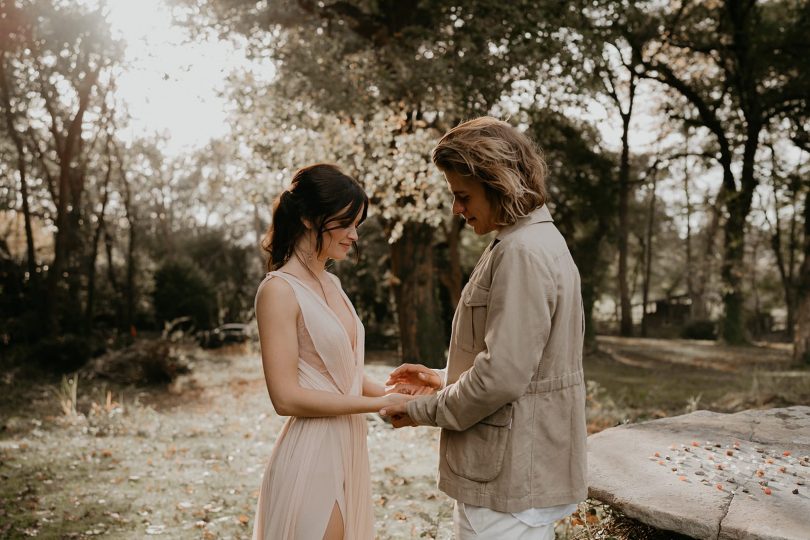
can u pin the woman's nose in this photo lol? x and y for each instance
(458, 208)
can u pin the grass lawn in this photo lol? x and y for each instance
(653, 378)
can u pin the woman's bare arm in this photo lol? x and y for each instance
(277, 311)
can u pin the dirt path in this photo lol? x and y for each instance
(188, 465)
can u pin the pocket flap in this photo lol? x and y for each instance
(476, 295)
(500, 418)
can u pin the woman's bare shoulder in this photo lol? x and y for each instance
(277, 295)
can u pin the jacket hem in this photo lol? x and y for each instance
(511, 504)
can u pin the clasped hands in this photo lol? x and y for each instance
(411, 380)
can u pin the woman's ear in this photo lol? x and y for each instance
(307, 223)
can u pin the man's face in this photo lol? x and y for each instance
(470, 200)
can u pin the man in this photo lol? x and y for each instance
(512, 405)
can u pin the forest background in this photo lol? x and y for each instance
(143, 143)
(676, 135)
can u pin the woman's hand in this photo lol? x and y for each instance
(394, 399)
(396, 409)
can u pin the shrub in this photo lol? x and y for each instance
(144, 362)
(61, 354)
(700, 329)
(181, 290)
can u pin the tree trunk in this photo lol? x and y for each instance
(450, 276)
(738, 205)
(648, 255)
(801, 336)
(626, 323)
(589, 264)
(732, 327)
(129, 287)
(91, 270)
(67, 153)
(108, 248)
(421, 336)
(786, 268)
(690, 281)
(259, 228)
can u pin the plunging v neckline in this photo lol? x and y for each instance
(332, 311)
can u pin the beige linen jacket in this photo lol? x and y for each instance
(513, 408)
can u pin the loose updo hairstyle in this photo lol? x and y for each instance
(507, 163)
(321, 194)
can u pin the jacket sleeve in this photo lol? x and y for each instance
(521, 303)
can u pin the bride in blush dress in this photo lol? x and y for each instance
(316, 485)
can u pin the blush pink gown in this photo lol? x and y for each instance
(319, 462)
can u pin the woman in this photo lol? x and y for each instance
(512, 407)
(316, 485)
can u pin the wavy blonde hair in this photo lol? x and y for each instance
(509, 165)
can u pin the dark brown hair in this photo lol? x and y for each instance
(320, 194)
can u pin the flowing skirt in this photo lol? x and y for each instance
(315, 464)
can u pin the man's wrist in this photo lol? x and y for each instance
(422, 410)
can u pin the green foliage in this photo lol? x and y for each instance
(182, 290)
(19, 309)
(353, 56)
(582, 195)
(233, 268)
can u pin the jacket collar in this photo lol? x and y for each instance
(538, 215)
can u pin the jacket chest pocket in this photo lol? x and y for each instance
(473, 320)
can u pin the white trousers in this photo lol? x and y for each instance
(485, 524)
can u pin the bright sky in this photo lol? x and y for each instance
(169, 82)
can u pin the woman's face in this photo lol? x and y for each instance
(470, 200)
(338, 238)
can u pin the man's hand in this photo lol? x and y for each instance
(414, 379)
(398, 414)
(410, 389)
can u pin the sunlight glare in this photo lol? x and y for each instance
(171, 84)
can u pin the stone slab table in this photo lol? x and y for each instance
(710, 475)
